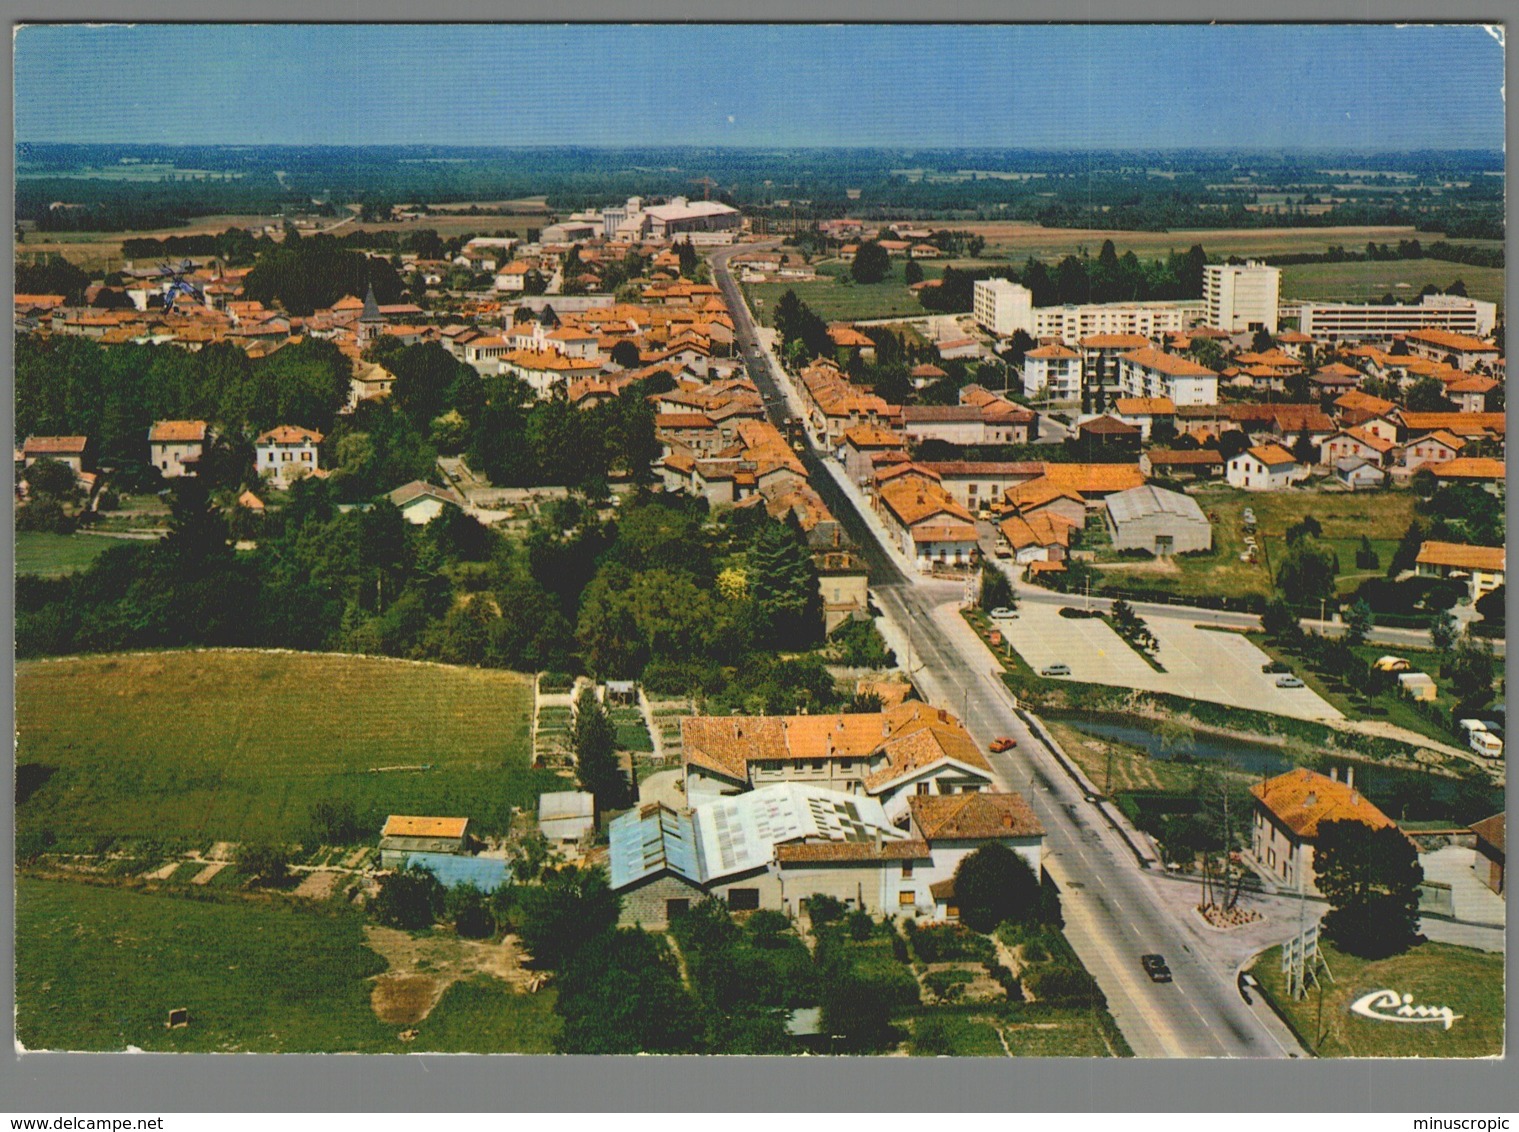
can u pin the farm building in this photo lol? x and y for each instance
(404, 835)
(485, 873)
(1160, 521)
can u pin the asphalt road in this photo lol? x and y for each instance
(1112, 915)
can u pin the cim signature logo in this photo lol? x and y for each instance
(1390, 1006)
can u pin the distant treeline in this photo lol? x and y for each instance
(1403, 249)
(1108, 278)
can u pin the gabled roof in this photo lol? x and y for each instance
(59, 445)
(1145, 406)
(1173, 365)
(177, 432)
(1491, 831)
(1468, 468)
(1302, 800)
(1272, 455)
(289, 434)
(402, 825)
(1462, 556)
(973, 817)
(418, 489)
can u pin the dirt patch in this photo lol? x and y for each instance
(423, 966)
(404, 1000)
(319, 885)
(222, 851)
(1162, 566)
(163, 872)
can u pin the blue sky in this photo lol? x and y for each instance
(1072, 87)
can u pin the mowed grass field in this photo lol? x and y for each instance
(99, 968)
(1468, 981)
(1022, 239)
(50, 555)
(836, 298)
(212, 745)
(1381, 516)
(1368, 282)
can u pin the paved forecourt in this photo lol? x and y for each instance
(1201, 664)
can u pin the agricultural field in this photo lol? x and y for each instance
(1368, 282)
(1381, 516)
(1021, 239)
(100, 252)
(50, 556)
(199, 746)
(1468, 981)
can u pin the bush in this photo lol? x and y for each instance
(824, 910)
(263, 863)
(335, 822)
(555, 682)
(1034, 952)
(107, 500)
(411, 899)
(472, 916)
(860, 926)
(947, 986)
(931, 1036)
(1059, 983)
(768, 928)
(942, 943)
(1007, 980)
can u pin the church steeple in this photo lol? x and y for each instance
(371, 321)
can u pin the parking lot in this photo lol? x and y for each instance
(1201, 664)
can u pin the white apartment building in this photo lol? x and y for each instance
(1052, 371)
(1241, 296)
(287, 453)
(1002, 306)
(1070, 324)
(1361, 321)
(1154, 373)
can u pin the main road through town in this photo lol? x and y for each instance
(1113, 915)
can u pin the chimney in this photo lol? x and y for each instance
(1334, 774)
(1007, 821)
(1312, 799)
(1350, 776)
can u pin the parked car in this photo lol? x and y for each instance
(1155, 967)
(1288, 681)
(1003, 613)
(1055, 670)
(1247, 983)
(1002, 743)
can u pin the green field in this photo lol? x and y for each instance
(1369, 281)
(835, 299)
(100, 968)
(224, 745)
(1382, 516)
(1468, 981)
(50, 555)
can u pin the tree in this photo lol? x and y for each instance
(1443, 631)
(995, 884)
(1232, 443)
(871, 263)
(594, 739)
(333, 821)
(1262, 341)
(1304, 450)
(1471, 670)
(1491, 607)
(263, 863)
(1307, 571)
(783, 583)
(1279, 621)
(625, 353)
(1371, 878)
(51, 477)
(996, 590)
(913, 272)
(622, 993)
(470, 911)
(1427, 395)
(559, 916)
(1358, 622)
(411, 899)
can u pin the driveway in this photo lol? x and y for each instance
(1201, 664)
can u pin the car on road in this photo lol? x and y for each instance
(1003, 613)
(1247, 983)
(1002, 743)
(1055, 670)
(1155, 967)
(1288, 681)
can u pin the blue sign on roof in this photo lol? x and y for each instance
(485, 873)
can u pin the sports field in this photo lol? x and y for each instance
(200, 746)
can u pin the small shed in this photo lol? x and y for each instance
(566, 816)
(404, 834)
(1356, 473)
(622, 691)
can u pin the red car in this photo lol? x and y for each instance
(1002, 744)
